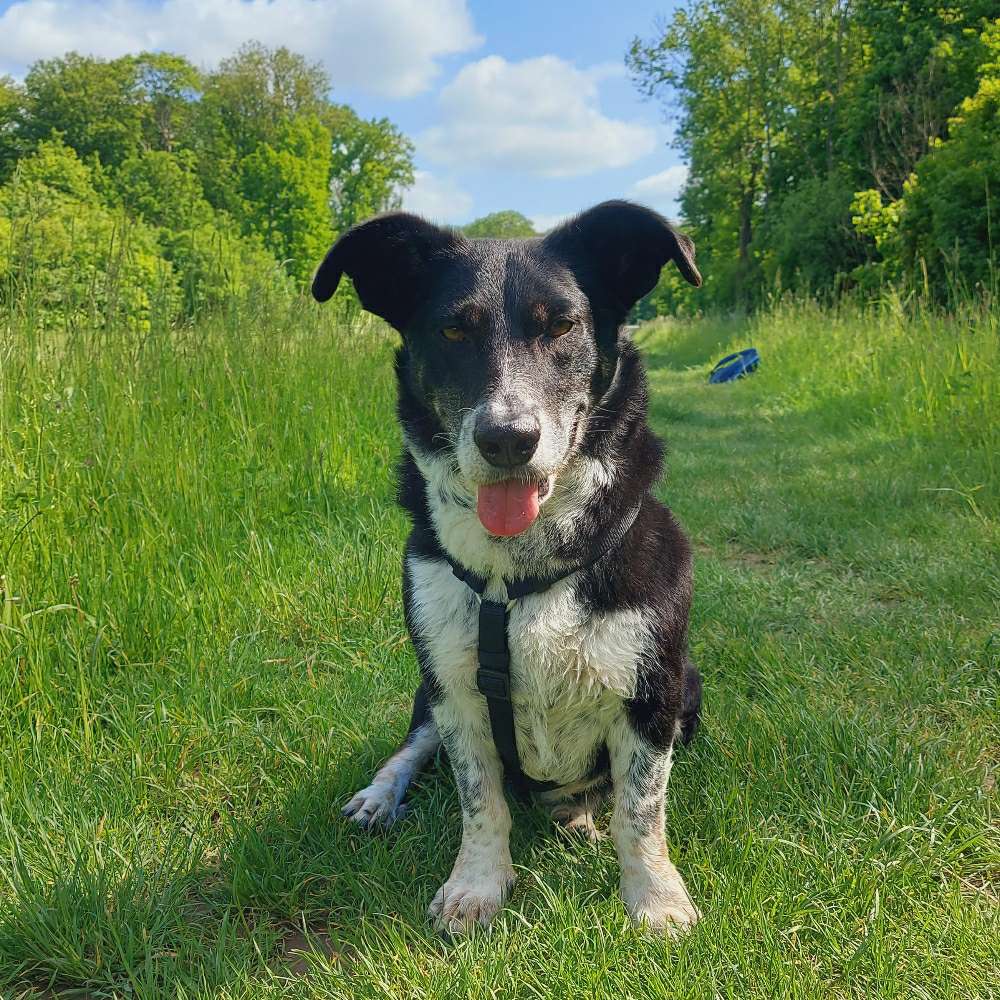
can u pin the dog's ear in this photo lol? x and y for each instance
(387, 258)
(617, 248)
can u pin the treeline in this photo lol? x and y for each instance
(143, 179)
(832, 145)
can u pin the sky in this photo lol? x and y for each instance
(511, 105)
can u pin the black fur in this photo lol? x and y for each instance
(505, 296)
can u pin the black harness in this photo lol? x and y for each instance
(493, 675)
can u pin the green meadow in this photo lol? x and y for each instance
(202, 656)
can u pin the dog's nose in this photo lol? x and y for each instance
(507, 444)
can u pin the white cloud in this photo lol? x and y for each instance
(387, 47)
(543, 223)
(663, 189)
(438, 199)
(541, 116)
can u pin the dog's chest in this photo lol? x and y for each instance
(570, 671)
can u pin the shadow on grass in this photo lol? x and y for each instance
(300, 884)
(688, 345)
(829, 475)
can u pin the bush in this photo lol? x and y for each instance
(213, 263)
(810, 240)
(68, 258)
(940, 234)
(949, 215)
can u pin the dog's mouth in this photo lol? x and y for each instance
(510, 506)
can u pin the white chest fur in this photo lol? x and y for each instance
(569, 671)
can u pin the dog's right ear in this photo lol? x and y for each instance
(387, 258)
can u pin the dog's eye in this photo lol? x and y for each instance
(561, 327)
(452, 333)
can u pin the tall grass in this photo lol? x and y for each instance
(202, 654)
(919, 374)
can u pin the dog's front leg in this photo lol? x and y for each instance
(652, 888)
(483, 873)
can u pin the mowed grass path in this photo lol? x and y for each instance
(202, 655)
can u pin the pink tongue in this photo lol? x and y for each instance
(508, 507)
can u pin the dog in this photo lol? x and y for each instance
(528, 457)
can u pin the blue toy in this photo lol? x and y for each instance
(735, 365)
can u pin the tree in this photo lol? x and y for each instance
(507, 225)
(168, 87)
(163, 189)
(56, 167)
(372, 161)
(255, 92)
(922, 61)
(246, 102)
(949, 217)
(943, 228)
(252, 159)
(11, 99)
(72, 257)
(726, 62)
(789, 109)
(809, 243)
(92, 103)
(285, 194)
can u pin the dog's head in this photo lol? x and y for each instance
(510, 344)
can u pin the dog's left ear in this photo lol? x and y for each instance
(388, 259)
(619, 248)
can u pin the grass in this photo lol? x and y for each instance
(202, 655)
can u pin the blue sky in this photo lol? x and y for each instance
(511, 105)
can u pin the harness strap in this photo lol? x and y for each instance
(493, 675)
(493, 681)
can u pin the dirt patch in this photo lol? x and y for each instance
(740, 557)
(300, 950)
(754, 559)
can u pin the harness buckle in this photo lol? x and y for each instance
(493, 684)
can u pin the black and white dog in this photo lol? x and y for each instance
(528, 457)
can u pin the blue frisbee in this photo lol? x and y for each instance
(735, 365)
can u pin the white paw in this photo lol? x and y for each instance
(663, 910)
(580, 824)
(377, 805)
(465, 902)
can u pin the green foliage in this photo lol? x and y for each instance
(507, 225)
(213, 261)
(162, 188)
(285, 194)
(168, 87)
(224, 175)
(809, 241)
(920, 62)
(92, 103)
(951, 206)
(939, 235)
(247, 102)
(216, 264)
(372, 162)
(789, 109)
(68, 255)
(879, 223)
(69, 259)
(256, 91)
(10, 106)
(56, 167)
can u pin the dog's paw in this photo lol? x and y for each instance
(578, 822)
(465, 902)
(667, 911)
(377, 805)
